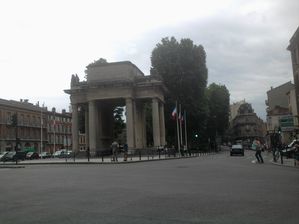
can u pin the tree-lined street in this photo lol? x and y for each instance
(211, 189)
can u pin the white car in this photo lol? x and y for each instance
(237, 149)
(58, 153)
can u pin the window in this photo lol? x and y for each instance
(8, 117)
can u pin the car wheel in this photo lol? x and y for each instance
(231, 154)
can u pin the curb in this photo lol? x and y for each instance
(285, 165)
(10, 167)
(93, 163)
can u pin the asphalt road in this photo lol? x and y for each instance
(211, 189)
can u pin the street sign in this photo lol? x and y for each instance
(286, 121)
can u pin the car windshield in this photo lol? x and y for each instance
(237, 146)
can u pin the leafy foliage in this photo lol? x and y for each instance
(182, 66)
(98, 62)
(218, 98)
(119, 124)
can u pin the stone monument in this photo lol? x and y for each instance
(116, 84)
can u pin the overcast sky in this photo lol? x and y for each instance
(42, 43)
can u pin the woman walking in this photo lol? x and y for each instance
(258, 150)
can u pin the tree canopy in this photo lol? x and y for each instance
(182, 66)
(218, 120)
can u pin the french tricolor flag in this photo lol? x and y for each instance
(174, 113)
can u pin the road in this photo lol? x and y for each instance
(210, 189)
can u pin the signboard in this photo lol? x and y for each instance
(286, 121)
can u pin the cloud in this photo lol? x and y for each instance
(245, 41)
(246, 48)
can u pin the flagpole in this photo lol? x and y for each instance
(181, 130)
(185, 122)
(178, 131)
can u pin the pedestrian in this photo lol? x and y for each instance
(258, 150)
(114, 147)
(88, 153)
(125, 151)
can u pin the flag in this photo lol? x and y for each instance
(182, 118)
(174, 113)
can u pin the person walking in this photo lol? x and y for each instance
(258, 150)
(114, 147)
(88, 154)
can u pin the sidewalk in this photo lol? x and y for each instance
(101, 160)
(286, 162)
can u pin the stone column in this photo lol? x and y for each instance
(75, 131)
(156, 122)
(86, 127)
(162, 124)
(138, 122)
(144, 134)
(130, 123)
(92, 126)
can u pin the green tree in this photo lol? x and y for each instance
(218, 121)
(119, 124)
(182, 67)
(98, 62)
(94, 63)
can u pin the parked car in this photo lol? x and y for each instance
(66, 154)
(32, 155)
(237, 149)
(57, 153)
(63, 153)
(13, 156)
(45, 155)
(2, 154)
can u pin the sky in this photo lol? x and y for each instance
(42, 43)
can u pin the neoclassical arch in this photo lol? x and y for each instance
(113, 84)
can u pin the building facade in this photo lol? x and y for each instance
(59, 132)
(34, 129)
(294, 49)
(29, 127)
(247, 125)
(278, 96)
(234, 108)
(282, 112)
